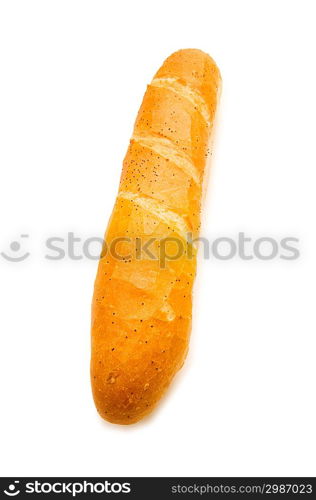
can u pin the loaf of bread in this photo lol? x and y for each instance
(142, 304)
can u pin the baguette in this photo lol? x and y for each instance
(142, 303)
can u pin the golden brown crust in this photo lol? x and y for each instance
(141, 314)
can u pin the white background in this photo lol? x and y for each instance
(73, 74)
